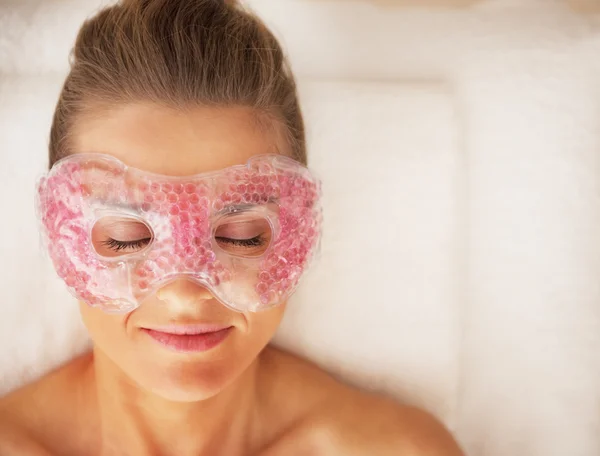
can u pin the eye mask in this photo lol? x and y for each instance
(116, 234)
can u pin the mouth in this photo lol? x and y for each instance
(189, 338)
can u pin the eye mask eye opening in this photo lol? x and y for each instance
(117, 235)
(245, 233)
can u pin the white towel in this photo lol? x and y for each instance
(470, 285)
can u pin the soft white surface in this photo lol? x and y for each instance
(382, 307)
(461, 258)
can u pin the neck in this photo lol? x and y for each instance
(136, 421)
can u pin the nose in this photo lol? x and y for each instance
(183, 292)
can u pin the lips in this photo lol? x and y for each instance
(189, 338)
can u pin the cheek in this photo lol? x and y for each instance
(263, 325)
(107, 331)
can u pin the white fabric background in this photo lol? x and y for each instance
(460, 151)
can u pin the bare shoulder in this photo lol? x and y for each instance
(18, 423)
(332, 418)
(16, 440)
(357, 423)
(31, 415)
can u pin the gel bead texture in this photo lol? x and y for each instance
(182, 215)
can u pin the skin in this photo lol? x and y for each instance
(132, 396)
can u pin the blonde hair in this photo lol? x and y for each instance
(178, 53)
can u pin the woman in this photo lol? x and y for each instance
(179, 212)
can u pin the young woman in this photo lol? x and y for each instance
(179, 210)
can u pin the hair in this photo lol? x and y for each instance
(178, 53)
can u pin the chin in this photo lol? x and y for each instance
(187, 380)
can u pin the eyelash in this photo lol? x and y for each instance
(117, 246)
(253, 242)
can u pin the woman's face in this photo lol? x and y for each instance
(179, 143)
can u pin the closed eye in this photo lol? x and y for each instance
(245, 235)
(117, 235)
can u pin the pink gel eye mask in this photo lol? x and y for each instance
(116, 234)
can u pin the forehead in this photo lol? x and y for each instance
(175, 142)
